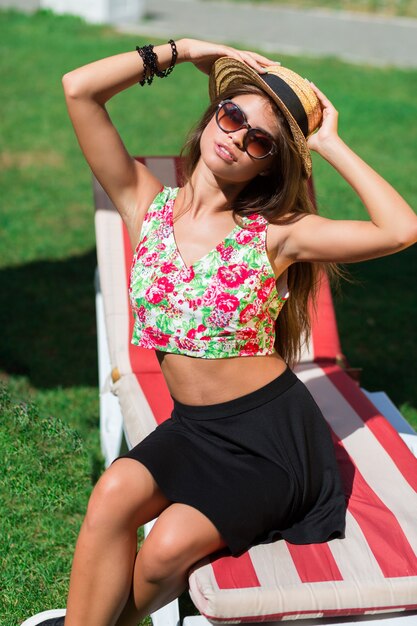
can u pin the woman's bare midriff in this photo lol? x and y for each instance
(198, 381)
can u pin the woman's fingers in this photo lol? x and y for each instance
(323, 99)
(203, 54)
(255, 60)
(328, 128)
(259, 63)
(261, 59)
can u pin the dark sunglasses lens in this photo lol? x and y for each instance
(258, 145)
(230, 117)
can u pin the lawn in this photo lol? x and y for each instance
(49, 438)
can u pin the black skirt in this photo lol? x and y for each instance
(261, 466)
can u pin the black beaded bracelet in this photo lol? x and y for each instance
(150, 62)
(164, 73)
(147, 54)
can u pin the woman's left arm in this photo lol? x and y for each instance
(393, 224)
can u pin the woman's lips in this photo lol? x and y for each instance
(224, 153)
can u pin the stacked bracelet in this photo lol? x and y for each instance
(150, 63)
(146, 53)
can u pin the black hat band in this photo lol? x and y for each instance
(289, 98)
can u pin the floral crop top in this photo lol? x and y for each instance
(224, 305)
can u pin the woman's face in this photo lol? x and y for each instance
(223, 152)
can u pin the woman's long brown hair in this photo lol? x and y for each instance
(283, 192)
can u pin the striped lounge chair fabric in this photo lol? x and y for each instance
(373, 569)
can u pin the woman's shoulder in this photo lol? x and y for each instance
(154, 193)
(278, 232)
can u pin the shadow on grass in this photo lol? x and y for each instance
(48, 323)
(376, 319)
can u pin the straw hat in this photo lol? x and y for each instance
(288, 90)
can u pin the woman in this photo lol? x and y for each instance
(228, 469)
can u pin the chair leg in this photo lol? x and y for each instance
(111, 419)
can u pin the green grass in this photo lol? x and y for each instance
(47, 260)
(42, 460)
(389, 8)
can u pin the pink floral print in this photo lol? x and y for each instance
(224, 305)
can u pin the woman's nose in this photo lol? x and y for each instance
(238, 136)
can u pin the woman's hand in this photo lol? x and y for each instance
(203, 54)
(327, 132)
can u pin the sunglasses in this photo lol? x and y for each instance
(257, 143)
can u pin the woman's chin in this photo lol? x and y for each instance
(225, 171)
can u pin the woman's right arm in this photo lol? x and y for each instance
(87, 89)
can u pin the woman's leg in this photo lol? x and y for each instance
(180, 537)
(125, 497)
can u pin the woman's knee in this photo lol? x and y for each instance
(125, 496)
(181, 537)
(161, 557)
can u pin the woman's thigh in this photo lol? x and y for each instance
(126, 494)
